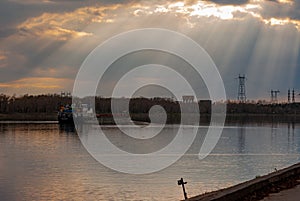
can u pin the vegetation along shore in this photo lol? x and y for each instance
(45, 107)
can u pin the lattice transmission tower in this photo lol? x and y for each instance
(274, 96)
(242, 88)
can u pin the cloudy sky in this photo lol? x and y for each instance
(44, 42)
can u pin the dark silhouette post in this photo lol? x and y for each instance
(181, 182)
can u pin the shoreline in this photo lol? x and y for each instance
(28, 117)
(173, 118)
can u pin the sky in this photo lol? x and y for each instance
(44, 42)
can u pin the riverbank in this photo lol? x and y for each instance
(173, 118)
(258, 188)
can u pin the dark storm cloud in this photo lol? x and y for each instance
(4, 32)
(15, 12)
(33, 52)
(231, 43)
(12, 13)
(277, 9)
(230, 2)
(270, 8)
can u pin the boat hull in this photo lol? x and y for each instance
(65, 117)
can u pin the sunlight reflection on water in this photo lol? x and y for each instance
(45, 161)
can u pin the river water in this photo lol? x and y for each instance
(45, 161)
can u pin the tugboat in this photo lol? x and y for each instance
(65, 114)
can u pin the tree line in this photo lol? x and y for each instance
(50, 103)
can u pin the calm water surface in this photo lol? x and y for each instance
(43, 161)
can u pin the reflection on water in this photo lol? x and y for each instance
(47, 162)
(67, 128)
(241, 138)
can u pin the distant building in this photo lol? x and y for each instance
(65, 94)
(188, 99)
(205, 106)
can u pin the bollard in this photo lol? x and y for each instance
(181, 182)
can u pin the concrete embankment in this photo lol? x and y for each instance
(257, 188)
